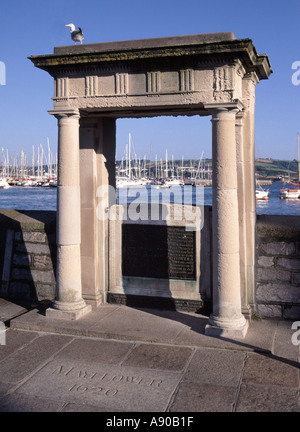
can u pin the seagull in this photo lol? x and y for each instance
(76, 35)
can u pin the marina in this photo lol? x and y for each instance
(44, 198)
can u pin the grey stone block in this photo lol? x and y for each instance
(22, 363)
(266, 370)
(22, 260)
(107, 386)
(216, 367)
(25, 403)
(159, 357)
(269, 311)
(289, 263)
(95, 351)
(194, 397)
(253, 398)
(277, 292)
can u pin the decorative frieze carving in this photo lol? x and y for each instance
(62, 87)
(121, 83)
(91, 85)
(223, 79)
(223, 83)
(153, 82)
(187, 80)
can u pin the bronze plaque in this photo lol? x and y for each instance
(158, 251)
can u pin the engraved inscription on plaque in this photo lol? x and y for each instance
(158, 251)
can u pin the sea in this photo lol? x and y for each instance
(44, 198)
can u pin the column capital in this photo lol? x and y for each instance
(62, 113)
(251, 77)
(236, 105)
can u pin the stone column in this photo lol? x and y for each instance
(97, 173)
(69, 303)
(226, 319)
(250, 81)
(243, 216)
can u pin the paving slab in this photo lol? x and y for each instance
(123, 359)
(36, 320)
(149, 325)
(139, 324)
(84, 407)
(283, 342)
(15, 340)
(195, 397)
(216, 367)
(23, 362)
(159, 357)
(255, 398)
(91, 350)
(25, 403)
(108, 386)
(266, 370)
(9, 310)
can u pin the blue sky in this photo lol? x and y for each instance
(34, 27)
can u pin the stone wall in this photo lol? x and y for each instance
(278, 267)
(28, 255)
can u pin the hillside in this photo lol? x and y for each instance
(274, 168)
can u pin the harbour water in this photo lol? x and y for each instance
(44, 198)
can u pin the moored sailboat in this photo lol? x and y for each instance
(261, 194)
(293, 193)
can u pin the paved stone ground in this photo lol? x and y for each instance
(121, 359)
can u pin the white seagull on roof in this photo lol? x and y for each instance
(76, 35)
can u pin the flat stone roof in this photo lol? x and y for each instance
(146, 43)
(159, 49)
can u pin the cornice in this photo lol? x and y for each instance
(236, 49)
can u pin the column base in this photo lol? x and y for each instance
(226, 328)
(68, 311)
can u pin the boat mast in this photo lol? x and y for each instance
(129, 156)
(298, 157)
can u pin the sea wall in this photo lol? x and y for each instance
(278, 267)
(28, 257)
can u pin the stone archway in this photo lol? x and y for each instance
(94, 84)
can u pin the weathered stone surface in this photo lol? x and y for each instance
(15, 340)
(21, 363)
(291, 312)
(269, 311)
(253, 398)
(46, 276)
(195, 397)
(279, 248)
(216, 367)
(95, 350)
(23, 260)
(159, 357)
(273, 274)
(103, 385)
(25, 403)
(266, 370)
(31, 236)
(265, 261)
(42, 262)
(277, 292)
(289, 263)
(296, 278)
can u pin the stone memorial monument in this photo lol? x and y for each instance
(200, 75)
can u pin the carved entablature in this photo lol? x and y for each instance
(164, 74)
